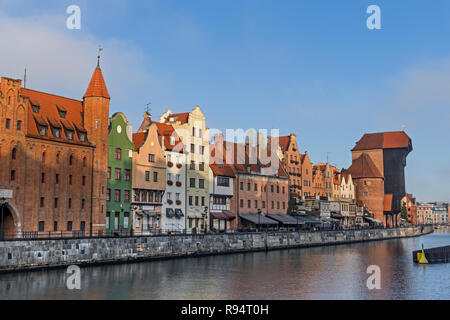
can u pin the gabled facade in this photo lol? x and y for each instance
(120, 165)
(307, 175)
(347, 188)
(191, 128)
(53, 152)
(291, 160)
(149, 181)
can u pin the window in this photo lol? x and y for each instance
(172, 141)
(57, 179)
(223, 181)
(56, 203)
(283, 190)
(70, 179)
(56, 132)
(203, 201)
(41, 226)
(117, 195)
(82, 203)
(264, 204)
(41, 202)
(192, 166)
(200, 132)
(278, 204)
(118, 154)
(278, 189)
(19, 125)
(82, 136)
(13, 175)
(169, 177)
(248, 186)
(202, 166)
(126, 218)
(127, 174)
(55, 225)
(69, 225)
(42, 177)
(192, 148)
(69, 134)
(256, 187)
(118, 173)
(147, 175)
(13, 154)
(249, 203)
(271, 189)
(155, 176)
(57, 158)
(7, 124)
(192, 182)
(256, 204)
(202, 150)
(196, 200)
(82, 226)
(70, 160)
(83, 180)
(69, 205)
(151, 158)
(169, 195)
(193, 131)
(242, 203)
(241, 185)
(43, 157)
(126, 196)
(35, 108)
(201, 183)
(43, 131)
(190, 201)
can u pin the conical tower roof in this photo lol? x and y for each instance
(97, 86)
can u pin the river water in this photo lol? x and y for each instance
(333, 272)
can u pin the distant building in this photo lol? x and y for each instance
(409, 203)
(424, 213)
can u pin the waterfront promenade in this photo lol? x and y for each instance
(39, 254)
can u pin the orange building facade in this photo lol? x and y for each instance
(53, 152)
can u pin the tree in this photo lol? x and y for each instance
(404, 214)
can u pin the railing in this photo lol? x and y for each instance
(51, 235)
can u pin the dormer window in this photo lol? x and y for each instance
(172, 141)
(69, 134)
(43, 131)
(35, 108)
(62, 111)
(56, 132)
(82, 136)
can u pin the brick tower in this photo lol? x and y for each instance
(95, 116)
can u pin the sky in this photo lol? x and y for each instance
(312, 68)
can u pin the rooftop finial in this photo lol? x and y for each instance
(100, 49)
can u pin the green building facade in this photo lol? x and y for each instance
(120, 163)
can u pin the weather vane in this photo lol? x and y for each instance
(100, 49)
(147, 107)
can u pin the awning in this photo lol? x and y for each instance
(258, 219)
(372, 220)
(223, 215)
(285, 219)
(336, 215)
(309, 220)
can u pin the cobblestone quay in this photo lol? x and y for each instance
(38, 254)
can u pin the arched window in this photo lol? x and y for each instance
(70, 160)
(14, 154)
(43, 157)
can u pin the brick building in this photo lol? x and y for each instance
(382, 155)
(53, 152)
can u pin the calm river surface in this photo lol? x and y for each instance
(336, 272)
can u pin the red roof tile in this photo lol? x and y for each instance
(383, 140)
(363, 167)
(138, 140)
(182, 117)
(49, 114)
(166, 131)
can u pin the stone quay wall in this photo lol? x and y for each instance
(38, 254)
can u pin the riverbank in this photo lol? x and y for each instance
(40, 254)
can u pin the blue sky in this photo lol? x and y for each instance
(307, 67)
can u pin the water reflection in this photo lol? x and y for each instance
(334, 272)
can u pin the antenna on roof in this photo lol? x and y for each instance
(100, 49)
(25, 78)
(328, 153)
